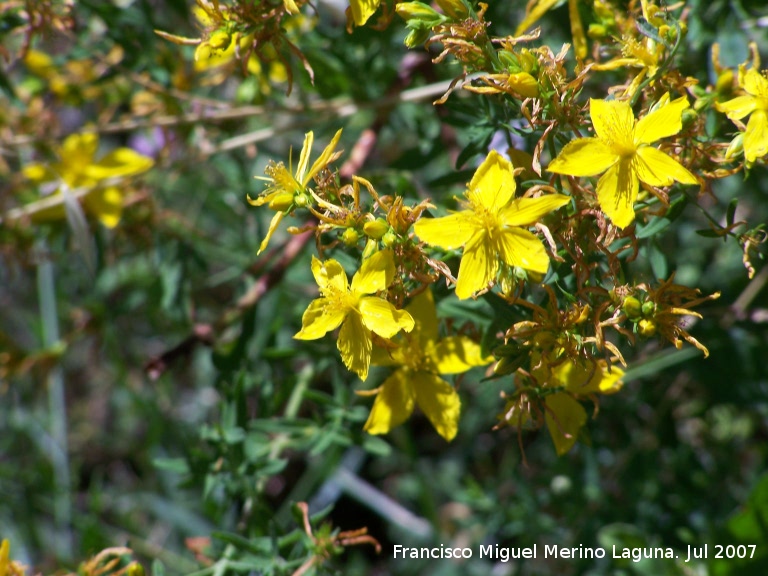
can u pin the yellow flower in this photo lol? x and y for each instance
(420, 359)
(492, 227)
(351, 308)
(362, 10)
(755, 103)
(77, 168)
(565, 416)
(284, 189)
(621, 148)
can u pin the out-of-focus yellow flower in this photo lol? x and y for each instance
(420, 359)
(78, 168)
(7, 566)
(352, 308)
(754, 102)
(621, 148)
(492, 228)
(284, 190)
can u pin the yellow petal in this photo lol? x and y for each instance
(756, 136)
(584, 157)
(528, 211)
(119, 162)
(448, 232)
(329, 275)
(662, 122)
(754, 83)
(739, 107)
(617, 191)
(533, 13)
(565, 417)
(439, 402)
(376, 273)
(588, 377)
(274, 223)
(393, 405)
(381, 317)
(323, 159)
(657, 169)
(478, 266)
(577, 30)
(613, 121)
(39, 173)
(362, 10)
(290, 7)
(493, 184)
(457, 354)
(106, 204)
(320, 318)
(523, 249)
(422, 310)
(306, 149)
(355, 345)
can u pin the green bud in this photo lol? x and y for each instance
(389, 239)
(648, 308)
(689, 117)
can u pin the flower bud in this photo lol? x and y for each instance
(736, 147)
(454, 8)
(646, 328)
(648, 308)
(350, 237)
(524, 84)
(376, 229)
(632, 308)
(281, 202)
(389, 239)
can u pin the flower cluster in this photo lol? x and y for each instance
(602, 170)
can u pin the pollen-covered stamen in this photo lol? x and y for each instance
(338, 301)
(282, 178)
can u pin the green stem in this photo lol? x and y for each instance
(57, 407)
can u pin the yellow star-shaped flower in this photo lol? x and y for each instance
(755, 102)
(492, 228)
(286, 191)
(420, 360)
(351, 307)
(621, 148)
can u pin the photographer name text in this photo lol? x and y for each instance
(503, 554)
